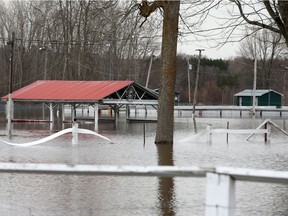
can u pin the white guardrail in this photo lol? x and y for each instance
(220, 185)
(74, 130)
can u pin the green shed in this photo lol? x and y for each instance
(264, 97)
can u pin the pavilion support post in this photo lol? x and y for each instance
(51, 112)
(135, 110)
(127, 112)
(220, 195)
(96, 115)
(63, 112)
(116, 113)
(73, 112)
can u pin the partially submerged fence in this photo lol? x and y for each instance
(220, 181)
(74, 130)
(259, 130)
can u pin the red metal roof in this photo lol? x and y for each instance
(68, 90)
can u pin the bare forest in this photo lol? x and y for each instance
(105, 40)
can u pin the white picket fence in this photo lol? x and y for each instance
(220, 184)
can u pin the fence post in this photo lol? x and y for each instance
(220, 195)
(267, 135)
(209, 134)
(75, 134)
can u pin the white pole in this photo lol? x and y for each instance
(220, 195)
(51, 112)
(75, 133)
(188, 77)
(149, 70)
(96, 116)
(196, 81)
(10, 102)
(63, 112)
(255, 81)
(9, 114)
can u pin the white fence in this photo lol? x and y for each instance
(220, 185)
(266, 131)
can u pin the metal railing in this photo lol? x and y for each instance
(220, 183)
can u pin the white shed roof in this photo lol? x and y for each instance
(258, 93)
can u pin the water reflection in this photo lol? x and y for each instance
(141, 196)
(166, 195)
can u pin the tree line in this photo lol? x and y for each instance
(102, 40)
(69, 40)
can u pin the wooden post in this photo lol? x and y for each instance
(220, 195)
(209, 134)
(227, 133)
(267, 135)
(144, 134)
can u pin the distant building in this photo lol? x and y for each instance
(264, 97)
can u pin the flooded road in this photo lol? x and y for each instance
(29, 194)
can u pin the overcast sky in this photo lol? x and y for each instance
(226, 52)
(197, 37)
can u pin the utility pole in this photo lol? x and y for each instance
(189, 85)
(284, 83)
(110, 61)
(11, 43)
(255, 80)
(45, 50)
(254, 86)
(10, 101)
(196, 81)
(149, 70)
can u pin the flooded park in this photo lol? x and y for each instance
(34, 194)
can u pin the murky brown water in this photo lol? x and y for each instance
(109, 195)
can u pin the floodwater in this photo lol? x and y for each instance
(47, 195)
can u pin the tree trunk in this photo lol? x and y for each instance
(283, 8)
(165, 125)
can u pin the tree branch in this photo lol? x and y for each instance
(274, 16)
(256, 23)
(146, 8)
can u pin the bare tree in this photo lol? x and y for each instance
(271, 15)
(165, 125)
(268, 50)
